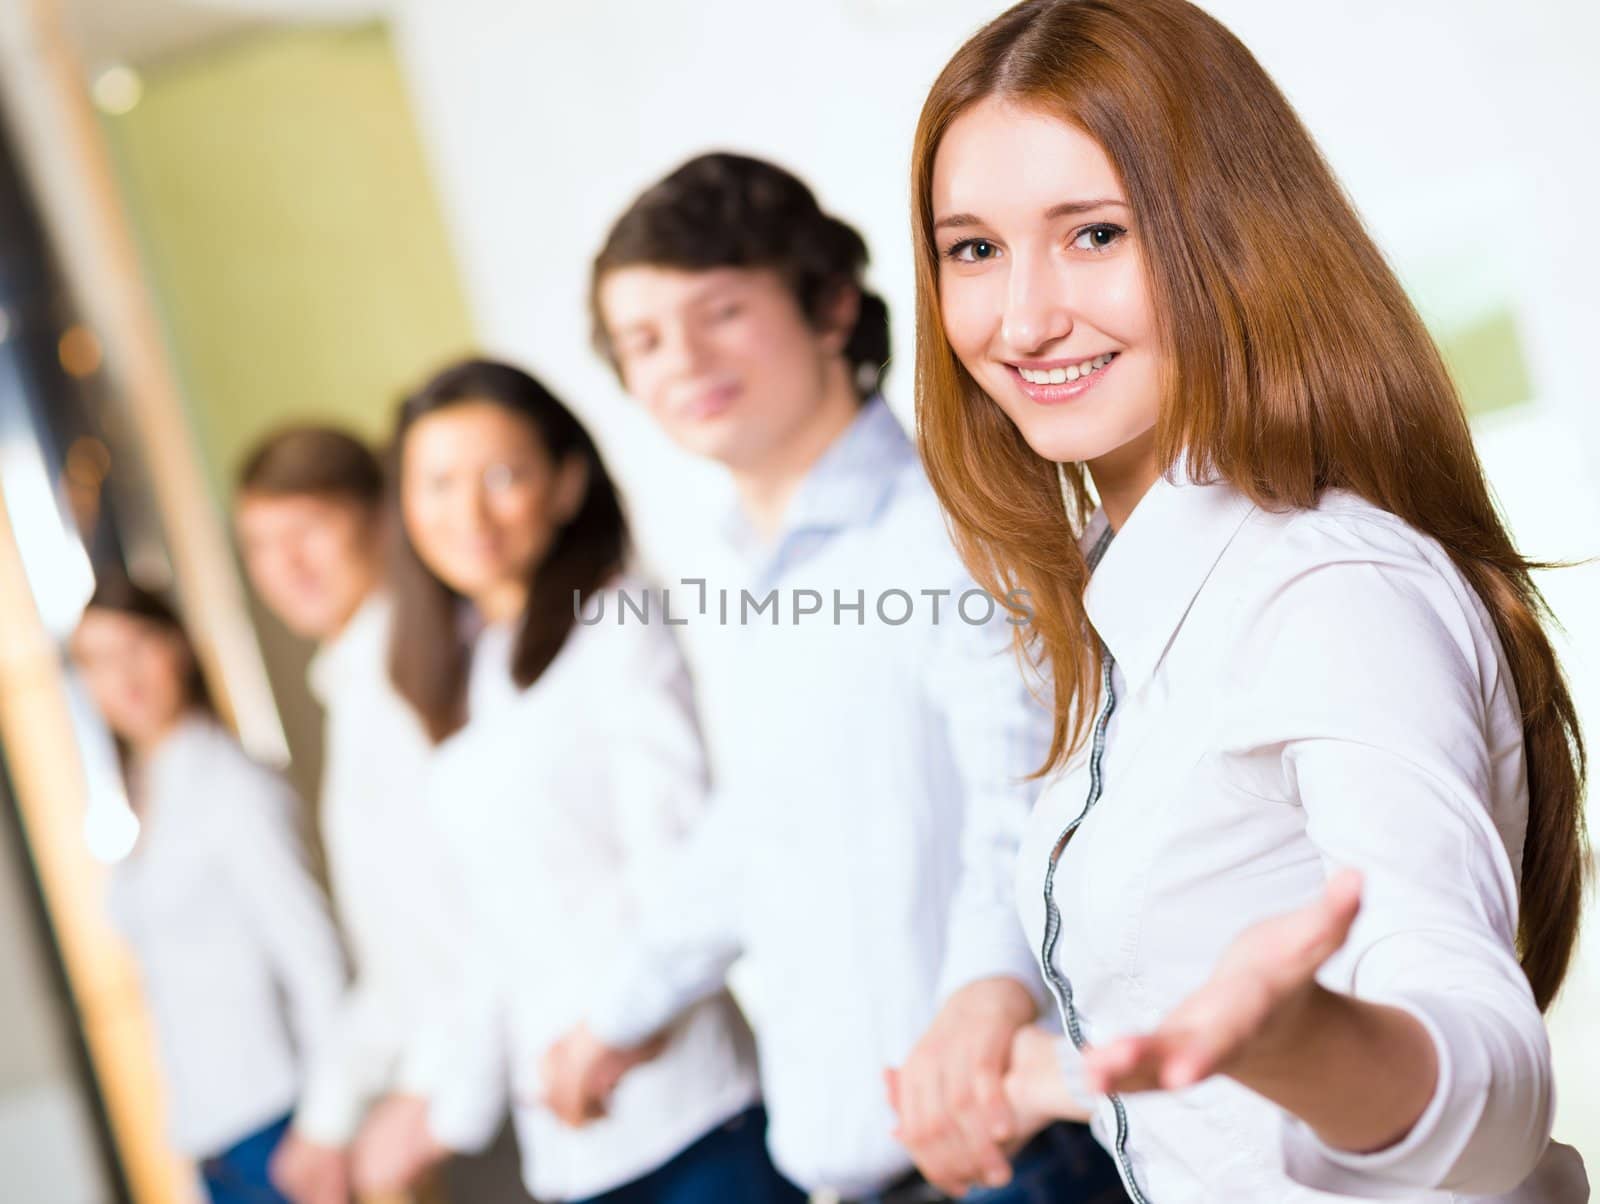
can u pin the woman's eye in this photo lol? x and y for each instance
(499, 477)
(1098, 237)
(724, 312)
(973, 250)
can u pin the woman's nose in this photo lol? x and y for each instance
(1038, 312)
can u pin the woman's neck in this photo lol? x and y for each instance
(767, 486)
(502, 603)
(145, 745)
(1122, 477)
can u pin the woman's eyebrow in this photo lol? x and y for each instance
(1072, 208)
(1064, 209)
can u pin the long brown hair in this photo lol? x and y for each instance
(1300, 363)
(428, 658)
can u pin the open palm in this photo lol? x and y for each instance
(1247, 1011)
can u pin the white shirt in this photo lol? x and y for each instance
(238, 958)
(562, 803)
(846, 760)
(1297, 692)
(394, 887)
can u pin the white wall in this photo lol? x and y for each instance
(1464, 129)
(1458, 127)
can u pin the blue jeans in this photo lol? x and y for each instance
(238, 1175)
(728, 1164)
(1064, 1164)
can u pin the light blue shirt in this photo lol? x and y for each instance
(870, 763)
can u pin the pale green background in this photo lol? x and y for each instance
(292, 234)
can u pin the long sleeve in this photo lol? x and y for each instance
(687, 936)
(284, 906)
(463, 1059)
(395, 891)
(1379, 703)
(999, 733)
(656, 761)
(351, 1070)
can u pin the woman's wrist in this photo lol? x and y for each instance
(1358, 1074)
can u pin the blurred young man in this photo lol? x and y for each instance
(870, 732)
(307, 517)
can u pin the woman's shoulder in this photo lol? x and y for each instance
(218, 778)
(628, 624)
(1348, 572)
(1347, 537)
(1345, 527)
(203, 749)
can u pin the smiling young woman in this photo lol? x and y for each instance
(1293, 639)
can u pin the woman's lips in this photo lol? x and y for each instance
(1050, 395)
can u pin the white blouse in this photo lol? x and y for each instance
(562, 804)
(394, 885)
(1296, 692)
(238, 958)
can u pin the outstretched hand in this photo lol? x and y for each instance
(1250, 1011)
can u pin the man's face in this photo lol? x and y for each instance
(312, 559)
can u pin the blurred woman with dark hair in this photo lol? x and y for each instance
(309, 517)
(238, 958)
(567, 768)
(872, 768)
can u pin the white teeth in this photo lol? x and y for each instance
(1060, 376)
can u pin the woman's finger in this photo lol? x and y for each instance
(1342, 901)
(1187, 1062)
(1316, 932)
(1125, 1064)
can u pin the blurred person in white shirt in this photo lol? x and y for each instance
(872, 737)
(568, 768)
(237, 955)
(308, 507)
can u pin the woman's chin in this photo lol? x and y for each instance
(1061, 447)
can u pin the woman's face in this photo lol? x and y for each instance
(482, 501)
(136, 672)
(1042, 285)
(724, 359)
